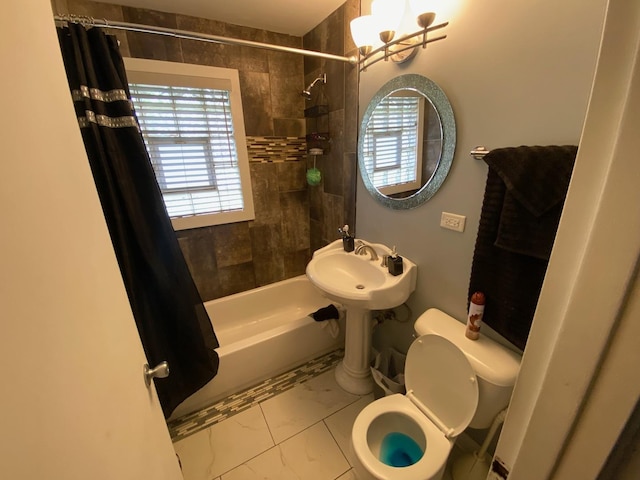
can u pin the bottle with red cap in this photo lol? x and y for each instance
(474, 318)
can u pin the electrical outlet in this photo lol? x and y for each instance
(453, 221)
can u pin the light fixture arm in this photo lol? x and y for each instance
(366, 61)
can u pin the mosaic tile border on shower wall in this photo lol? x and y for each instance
(276, 149)
(194, 422)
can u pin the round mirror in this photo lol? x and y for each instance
(406, 143)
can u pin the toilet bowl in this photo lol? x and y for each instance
(409, 437)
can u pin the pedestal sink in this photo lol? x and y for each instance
(361, 285)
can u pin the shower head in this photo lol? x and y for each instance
(306, 93)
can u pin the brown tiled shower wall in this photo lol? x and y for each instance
(333, 203)
(292, 218)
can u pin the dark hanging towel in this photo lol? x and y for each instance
(168, 310)
(523, 200)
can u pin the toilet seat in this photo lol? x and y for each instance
(441, 399)
(442, 383)
(436, 452)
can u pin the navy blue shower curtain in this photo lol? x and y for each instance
(168, 310)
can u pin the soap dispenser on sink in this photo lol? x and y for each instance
(394, 263)
(348, 242)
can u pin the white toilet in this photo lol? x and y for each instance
(452, 383)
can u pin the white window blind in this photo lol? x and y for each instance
(190, 139)
(392, 144)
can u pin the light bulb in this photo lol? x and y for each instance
(388, 14)
(424, 10)
(364, 32)
(423, 6)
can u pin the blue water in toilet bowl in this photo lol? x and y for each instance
(399, 450)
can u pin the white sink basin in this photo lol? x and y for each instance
(356, 280)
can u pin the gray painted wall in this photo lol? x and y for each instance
(515, 75)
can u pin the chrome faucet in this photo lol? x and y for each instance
(363, 248)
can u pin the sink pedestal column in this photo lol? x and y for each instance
(353, 373)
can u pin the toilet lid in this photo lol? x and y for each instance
(442, 383)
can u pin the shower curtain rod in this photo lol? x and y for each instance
(203, 37)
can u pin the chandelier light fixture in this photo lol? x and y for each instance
(375, 34)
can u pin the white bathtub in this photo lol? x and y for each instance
(262, 332)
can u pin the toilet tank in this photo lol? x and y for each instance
(495, 365)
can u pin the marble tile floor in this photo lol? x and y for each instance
(302, 433)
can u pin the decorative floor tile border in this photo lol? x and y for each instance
(194, 422)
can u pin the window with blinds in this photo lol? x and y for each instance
(393, 144)
(190, 133)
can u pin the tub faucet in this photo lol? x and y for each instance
(363, 248)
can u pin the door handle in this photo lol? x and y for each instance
(159, 371)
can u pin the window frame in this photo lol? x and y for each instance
(370, 153)
(157, 72)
